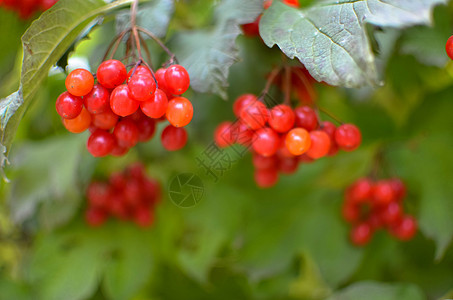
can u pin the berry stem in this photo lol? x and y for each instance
(332, 116)
(269, 82)
(287, 86)
(160, 43)
(115, 44)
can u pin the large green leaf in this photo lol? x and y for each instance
(330, 38)
(379, 291)
(209, 53)
(44, 43)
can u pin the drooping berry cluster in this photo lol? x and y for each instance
(370, 206)
(129, 195)
(27, 8)
(121, 109)
(252, 29)
(281, 137)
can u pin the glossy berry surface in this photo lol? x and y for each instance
(266, 141)
(298, 141)
(223, 135)
(348, 137)
(281, 118)
(80, 123)
(68, 106)
(121, 103)
(111, 73)
(157, 106)
(306, 118)
(320, 144)
(243, 101)
(141, 87)
(449, 47)
(255, 115)
(105, 120)
(177, 79)
(98, 100)
(173, 138)
(126, 133)
(79, 82)
(100, 143)
(179, 111)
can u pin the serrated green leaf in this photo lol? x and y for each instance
(330, 38)
(154, 16)
(208, 54)
(379, 291)
(44, 43)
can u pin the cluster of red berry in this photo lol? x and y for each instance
(26, 8)
(110, 108)
(252, 29)
(281, 138)
(370, 206)
(129, 195)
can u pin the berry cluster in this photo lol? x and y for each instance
(26, 8)
(252, 29)
(281, 137)
(129, 195)
(118, 114)
(369, 206)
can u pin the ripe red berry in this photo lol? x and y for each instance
(98, 194)
(399, 188)
(449, 47)
(282, 118)
(266, 178)
(173, 138)
(78, 124)
(118, 150)
(266, 141)
(68, 106)
(126, 133)
(330, 128)
(350, 212)
(95, 217)
(252, 29)
(360, 191)
(223, 135)
(100, 143)
(111, 73)
(405, 229)
(255, 115)
(261, 162)
(98, 100)
(298, 141)
(105, 120)
(121, 103)
(146, 129)
(348, 137)
(243, 101)
(383, 192)
(177, 79)
(157, 106)
(320, 144)
(79, 82)
(306, 118)
(361, 234)
(288, 165)
(141, 87)
(179, 111)
(160, 77)
(241, 133)
(140, 70)
(391, 213)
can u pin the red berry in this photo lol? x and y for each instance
(105, 120)
(68, 106)
(160, 77)
(223, 135)
(146, 129)
(100, 143)
(141, 87)
(306, 118)
(360, 191)
(405, 229)
(266, 141)
(98, 194)
(383, 192)
(298, 141)
(361, 234)
(126, 133)
(330, 128)
(266, 178)
(79, 82)
(98, 100)
(348, 137)
(173, 138)
(78, 124)
(399, 188)
(177, 79)
(252, 29)
(281, 118)
(95, 217)
(179, 111)
(293, 3)
(350, 212)
(157, 106)
(111, 73)
(243, 101)
(255, 115)
(118, 150)
(121, 103)
(143, 217)
(320, 144)
(288, 165)
(241, 133)
(449, 47)
(261, 162)
(140, 70)
(391, 213)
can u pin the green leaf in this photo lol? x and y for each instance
(208, 54)
(330, 38)
(378, 291)
(154, 16)
(53, 192)
(47, 39)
